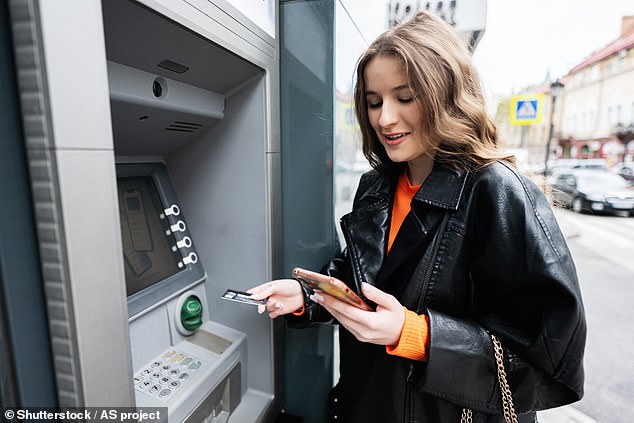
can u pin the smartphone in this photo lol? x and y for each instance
(242, 297)
(330, 286)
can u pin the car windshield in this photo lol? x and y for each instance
(601, 180)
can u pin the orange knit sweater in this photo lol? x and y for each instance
(414, 336)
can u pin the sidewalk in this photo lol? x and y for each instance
(566, 224)
(567, 414)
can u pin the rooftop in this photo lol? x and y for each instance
(624, 42)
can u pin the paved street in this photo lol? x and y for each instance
(603, 248)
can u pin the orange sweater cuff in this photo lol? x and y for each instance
(414, 338)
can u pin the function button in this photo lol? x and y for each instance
(156, 375)
(146, 372)
(154, 389)
(195, 365)
(174, 372)
(156, 364)
(183, 376)
(186, 361)
(169, 354)
(164, 380)
(178, 358)
(165, 392)
(174, 384)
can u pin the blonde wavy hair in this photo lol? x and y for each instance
(446, 89)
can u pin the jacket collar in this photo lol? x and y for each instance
(442, 190)
(443, 187)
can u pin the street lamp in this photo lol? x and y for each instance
(555, 89)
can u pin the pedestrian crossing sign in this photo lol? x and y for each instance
(526, 109)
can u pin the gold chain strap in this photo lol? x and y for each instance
(507, 398)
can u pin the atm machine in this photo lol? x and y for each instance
(197, 170)
(149, 144)
(151, 133)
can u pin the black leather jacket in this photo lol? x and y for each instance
(481, 252)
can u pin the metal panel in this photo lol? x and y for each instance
(65, 106)
(26, 368)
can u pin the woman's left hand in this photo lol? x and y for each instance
(381, 327)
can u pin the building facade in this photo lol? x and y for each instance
(596, 117)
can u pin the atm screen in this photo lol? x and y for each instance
(145, 233)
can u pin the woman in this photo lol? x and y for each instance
(451, 245)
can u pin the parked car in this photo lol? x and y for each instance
(626, 170)
(592, 191)
(557, 165)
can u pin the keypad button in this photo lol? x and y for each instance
(183, 376)
(164, 380)
(174, 384)
(156, 364)
(165, 392)
(174, 372)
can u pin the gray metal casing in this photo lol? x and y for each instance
(227, 179)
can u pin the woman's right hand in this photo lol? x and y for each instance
(284, 296)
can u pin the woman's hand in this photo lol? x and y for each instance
(381, 327)
(284, 296)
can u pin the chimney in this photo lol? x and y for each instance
(627, 25)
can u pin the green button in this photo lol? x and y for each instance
(191, 313)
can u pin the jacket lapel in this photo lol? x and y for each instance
(366, 228)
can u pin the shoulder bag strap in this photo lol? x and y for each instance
(507, 399)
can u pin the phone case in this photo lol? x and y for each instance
(330, 286)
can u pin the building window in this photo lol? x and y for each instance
(620, 59)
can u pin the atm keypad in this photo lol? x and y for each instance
(162, 377)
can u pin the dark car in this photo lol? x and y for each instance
(626, 170)
(592, 191)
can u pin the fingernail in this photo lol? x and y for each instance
(316, 297)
